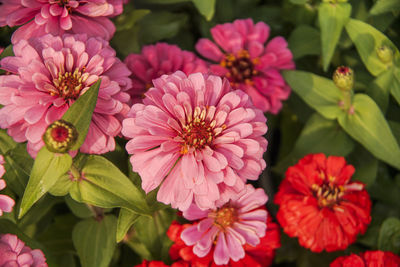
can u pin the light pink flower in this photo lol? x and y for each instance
(13, 252)
(48, 74)
(241, 221)
(6, 203)
(197, 138)
(57, 17)
(249, 64)
(156, 60)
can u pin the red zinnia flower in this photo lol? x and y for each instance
(259, 256)
(368, 259)
(320, 206)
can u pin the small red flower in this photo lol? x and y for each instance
(259, 256)
(368, 259)
(320, 206)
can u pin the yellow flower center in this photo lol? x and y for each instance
(241, 67)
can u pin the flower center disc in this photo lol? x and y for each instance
(241, 67)
(69, 85)
(225, 217)
(327, 194)
(197, 133)
(60, 134)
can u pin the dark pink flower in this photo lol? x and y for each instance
(6, 203)
(57, 17)
(248, 63)
(13, 252)
(48, 74)
(156, 60)
(228, 228)
(197, 138)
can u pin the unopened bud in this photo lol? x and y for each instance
(60, 136)
(343, 78)
(385, 53)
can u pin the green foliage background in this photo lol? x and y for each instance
(107, 220)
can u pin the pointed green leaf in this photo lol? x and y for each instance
(47, 169)
(126, 219)
(95, 241)
(80, 112)
(384, 6)
(6, 142)
(380, 89)
(389, 235)
(104, 185)
(332, 18)
(299, 46)
(318, 92)
(319, 135)
(369, 127)
(62, 187)
(205, 7)
(367, 40)
(78, 209)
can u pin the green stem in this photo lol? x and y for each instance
(75, 172)
(347, 97)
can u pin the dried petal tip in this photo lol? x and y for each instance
(385, 53)
(60, 136)
(344, 78)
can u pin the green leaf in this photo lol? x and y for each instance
(369, 127)
(18, 167)
(6, 142)
(95, 241)
(104, 185)
(205, 7)
(384, 6)
(62, 187)
(299, 46)
(367, 39)
(126, 219)
(380, 89)
(46, 170)
(78, 209)
(128, 18)
(366, 165)
(157, 26)
(299, 2)
(332, 18)
(80, 113)
(58, 236)
(151, 232)
(395, 86)
(319, 135)
(389, 235)
(318, 92)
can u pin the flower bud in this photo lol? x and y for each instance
(385, 53)
(60, 136)
(343, 78)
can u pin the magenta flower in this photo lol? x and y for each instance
(156, 60)
(247, 63)
(241, 221)
(6, 203)
(197, 138)
(57, 17)
(13, 252)
(48, 74)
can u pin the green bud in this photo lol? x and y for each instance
(385, 53)
(60, 136)
(343, 78)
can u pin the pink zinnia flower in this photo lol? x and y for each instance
(13, 252)
(156, 60)
(6, 203)
(241, 221)
(60, 16)
(48, 74)
(249, 64)
(197, 138)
